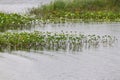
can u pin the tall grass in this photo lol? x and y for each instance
(80, 5)
(75, 8)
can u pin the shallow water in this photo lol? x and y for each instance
(92, 64)
(102, 63)
(86, 28)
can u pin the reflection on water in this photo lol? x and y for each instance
(112, 29)
(90, 28)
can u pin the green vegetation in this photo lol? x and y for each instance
(83, 10)
(13, 21)
(59, 11)
(52, 41)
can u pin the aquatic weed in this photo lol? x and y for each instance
(52, 41)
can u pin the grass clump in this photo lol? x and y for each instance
(13, 21)
(52, 41)
(84, 10)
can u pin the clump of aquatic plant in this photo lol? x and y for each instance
(13, 21)
(52, 41)
(84, 10)
(99, 16)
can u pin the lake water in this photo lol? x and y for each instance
(20, 6)
(102, 63)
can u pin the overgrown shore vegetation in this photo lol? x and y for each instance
(65, 10)
(84, 10)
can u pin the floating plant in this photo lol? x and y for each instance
(52, 41)
(13, 21)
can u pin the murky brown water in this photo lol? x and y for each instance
(102, 63)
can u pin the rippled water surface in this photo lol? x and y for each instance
(102, 63)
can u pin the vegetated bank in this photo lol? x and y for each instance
(13, 21)
(81, 10)
(52, 41)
